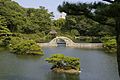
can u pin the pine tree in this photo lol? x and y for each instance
(104, 13)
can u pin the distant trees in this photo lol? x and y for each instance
(106, 14)
(84, 25)
(30, 20)
(59, 23)
(25, 20)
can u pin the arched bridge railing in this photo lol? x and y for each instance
(68, 41)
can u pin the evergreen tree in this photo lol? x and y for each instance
(106, 14)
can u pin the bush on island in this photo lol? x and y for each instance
(61, 63)
(26, 47)
(110, 46)
(19, 45)
(5, 41)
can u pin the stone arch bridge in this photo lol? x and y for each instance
(70, 43)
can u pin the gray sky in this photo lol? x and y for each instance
(51, 5)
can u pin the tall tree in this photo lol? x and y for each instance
(107, 14)
(25, 20)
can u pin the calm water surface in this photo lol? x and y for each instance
(95, 65)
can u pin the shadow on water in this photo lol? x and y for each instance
(14, 77)
(28, 57)
(62, 76)
(3, 49)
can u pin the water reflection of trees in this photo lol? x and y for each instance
(62, 76)
(28, 57)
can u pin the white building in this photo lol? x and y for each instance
(63, 15)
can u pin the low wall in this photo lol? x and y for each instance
(88, 45)
(75, 45)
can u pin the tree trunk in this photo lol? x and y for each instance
(118, 42)
(118, 52)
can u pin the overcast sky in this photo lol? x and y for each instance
(51, 5)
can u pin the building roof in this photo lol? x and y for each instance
(53, 32)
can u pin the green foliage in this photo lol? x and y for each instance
(26, 47)
(5, 41)
(103, 13)
(19, 45)
(25, 20)
(90, 19)
(107, 38)
(8, 41)
(110, 46)
(3, 27)
(38, 37)
(59, 24)
(64, 62)
(75, 32)
(86, 26)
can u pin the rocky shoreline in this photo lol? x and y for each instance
(70, 71)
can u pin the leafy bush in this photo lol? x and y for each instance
(110, 46)
(5, 41)
(39, 37)
(19, 45)
(106, 38)
(4, 29)
(64, 62)
(27, 47)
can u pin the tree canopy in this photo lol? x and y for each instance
(86, 18)
(25, 20)
(64, 62)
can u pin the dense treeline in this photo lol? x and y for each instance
(16, 19)
(87, 27)
(24, 20)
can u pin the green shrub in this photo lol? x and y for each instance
(19, 45)
(64, 62)
(106, 38)
(39, 37)
(110, 46)
(4, 29)
(27, 47)
(5, 41)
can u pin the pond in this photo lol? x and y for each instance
(95, 65)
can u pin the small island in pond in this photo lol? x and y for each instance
(64, 64)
